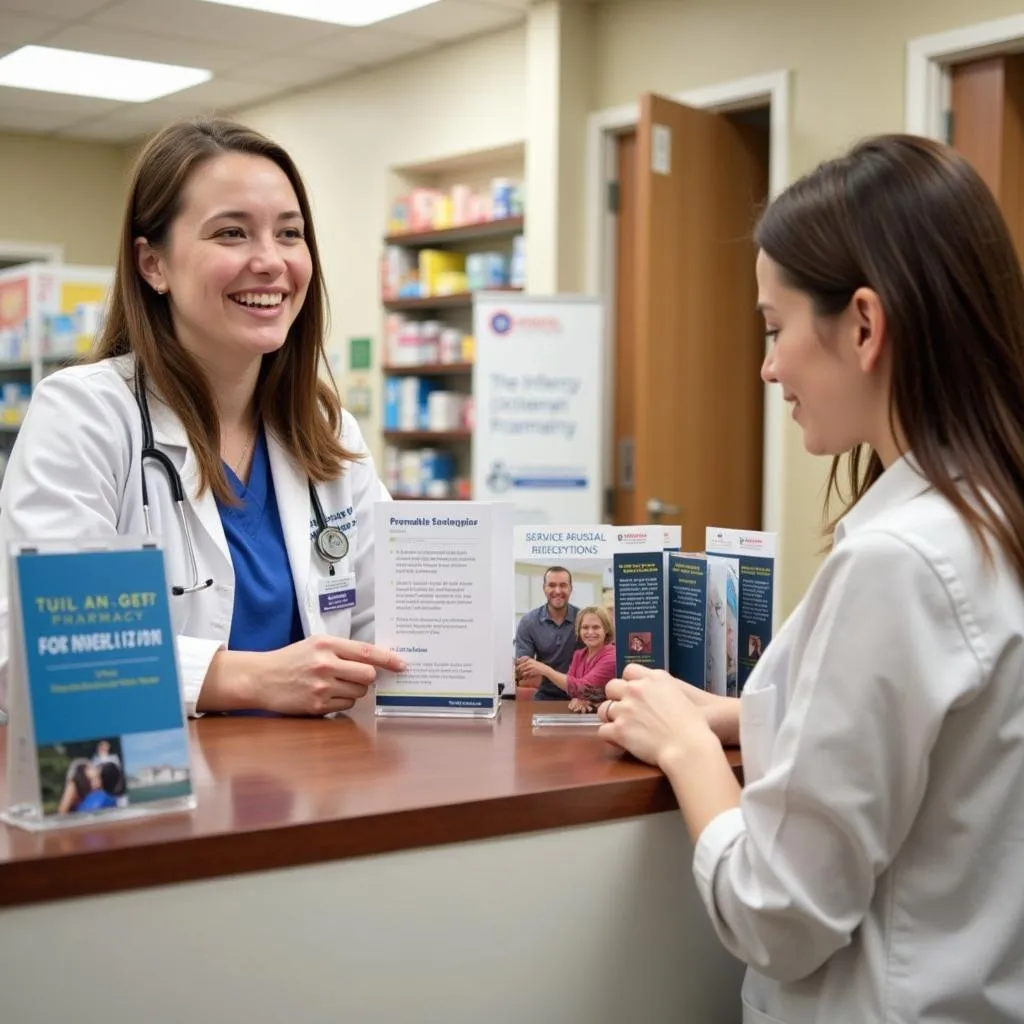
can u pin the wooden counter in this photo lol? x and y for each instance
(276, 793)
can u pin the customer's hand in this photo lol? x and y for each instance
(319, 675)
(650, 714)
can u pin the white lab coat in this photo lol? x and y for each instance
(75, 473)
(873, 871)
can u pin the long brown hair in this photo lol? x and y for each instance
(912, 220)
(302, 409)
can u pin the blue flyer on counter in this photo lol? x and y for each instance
(101, 679)
(639, 609)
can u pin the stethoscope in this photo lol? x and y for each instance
(331, 543)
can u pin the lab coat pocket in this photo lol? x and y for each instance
(758, 710)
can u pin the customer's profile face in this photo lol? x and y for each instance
(834, 395)
(235, 265)
(557, 589)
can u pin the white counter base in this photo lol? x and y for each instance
(593, 925)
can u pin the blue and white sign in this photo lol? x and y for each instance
(97, 724)
(538, 397)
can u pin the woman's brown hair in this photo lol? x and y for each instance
(292, 399)
(910, 219)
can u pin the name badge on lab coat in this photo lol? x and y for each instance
(338, 593)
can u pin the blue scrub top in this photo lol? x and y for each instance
(266, 612)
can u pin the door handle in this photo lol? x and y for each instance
(657, 508)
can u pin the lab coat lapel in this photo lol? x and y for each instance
(292, 490)
(169, 433)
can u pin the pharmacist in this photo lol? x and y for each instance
(202, 420)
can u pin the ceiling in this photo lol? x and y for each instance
(253, 56)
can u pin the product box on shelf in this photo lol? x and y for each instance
(49, 309)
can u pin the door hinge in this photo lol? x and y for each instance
(947, 127)
(613, 197)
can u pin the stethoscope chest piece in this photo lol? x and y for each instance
(331, 544)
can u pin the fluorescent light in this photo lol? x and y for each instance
(92, 74)
(352, 13)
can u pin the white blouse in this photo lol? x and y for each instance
(875, 868)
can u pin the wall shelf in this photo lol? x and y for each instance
(426, 436)
(428, 370)
(463, 233)
(462, 300)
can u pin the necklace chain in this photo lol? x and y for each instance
(245, 451)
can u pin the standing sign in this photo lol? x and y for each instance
(96, 722)
(445, 605)
(538, 396)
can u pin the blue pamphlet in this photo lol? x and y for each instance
(101, 679)
(639, 609)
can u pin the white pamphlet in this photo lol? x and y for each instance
(444, 602)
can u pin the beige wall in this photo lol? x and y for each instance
(848, 65)
(61, 192)
(346, 137)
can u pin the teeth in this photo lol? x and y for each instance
(258, 299)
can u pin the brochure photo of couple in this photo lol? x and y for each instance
(89, 776)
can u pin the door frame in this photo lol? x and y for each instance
(603, 127)
(929, 59)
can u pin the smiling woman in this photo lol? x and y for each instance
(209, 369)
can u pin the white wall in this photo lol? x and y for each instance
(346, 136)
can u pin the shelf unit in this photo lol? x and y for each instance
(502, 228)
(430, 370)
(460, 300)
(427, 436)
(405, 314)
(49, 313)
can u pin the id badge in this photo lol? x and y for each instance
(338, 593)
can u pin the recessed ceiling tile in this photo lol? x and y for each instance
(15, 119)
(108, 129)
(211, 23)
(53, 102)
(64, 10)
(16, 30)
(452, 19)
(218, 95)
(146, 46)
(288, 72)
(363, 46)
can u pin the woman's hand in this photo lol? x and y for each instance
(321, 675)
(649, 714)
(531, 667)
(581, 706)
(316, 676)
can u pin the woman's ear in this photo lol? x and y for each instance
(870, 324)
(150, 265)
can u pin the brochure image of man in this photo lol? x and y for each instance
(548, 634)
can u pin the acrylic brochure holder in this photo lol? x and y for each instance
(96, 731)
(445, 604)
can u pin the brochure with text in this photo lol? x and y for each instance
(95, 693)
(444, 586)
(706, 616)
(588, 554)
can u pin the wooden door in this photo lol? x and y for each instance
(697, 343)
(987, 127)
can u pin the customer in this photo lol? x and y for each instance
(209, 371)
(871, 868)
